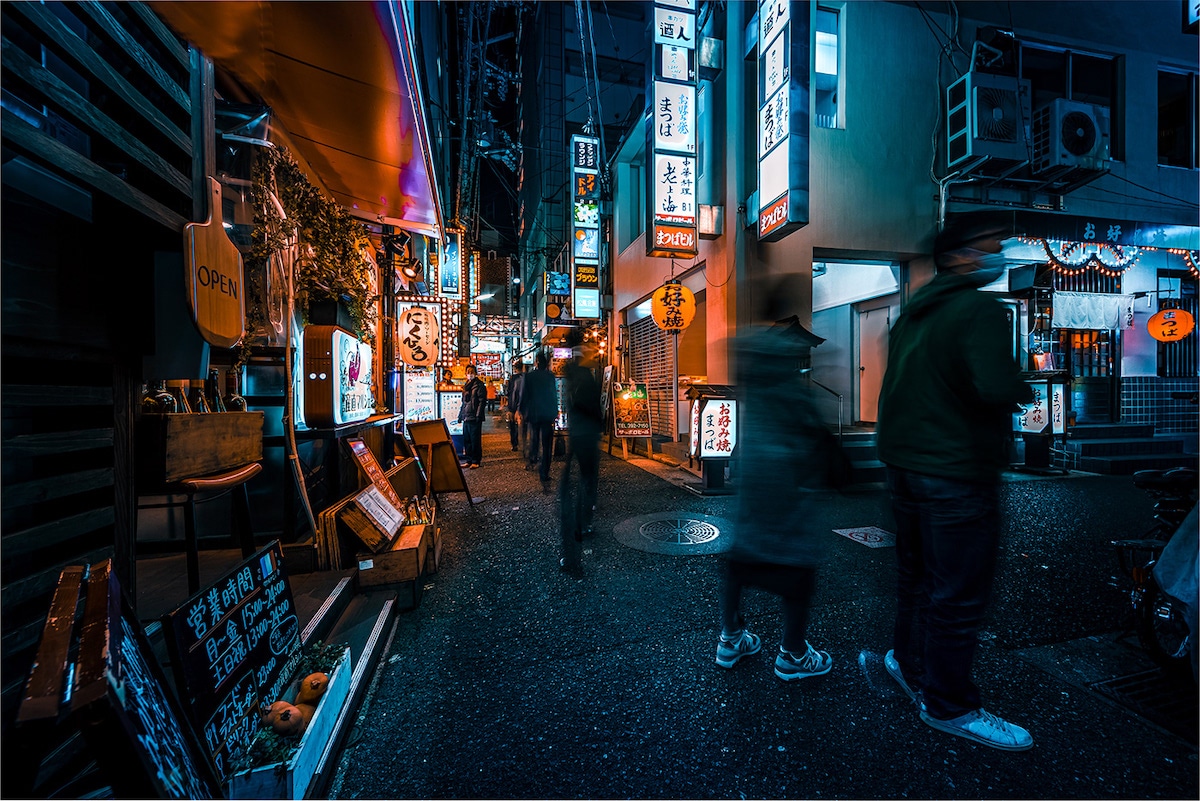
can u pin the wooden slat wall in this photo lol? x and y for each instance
(98, 107)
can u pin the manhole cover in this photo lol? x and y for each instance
(675, 534)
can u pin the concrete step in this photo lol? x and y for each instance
(1110, 431)
(1128, 464)
(1125, 446)
(867, 471)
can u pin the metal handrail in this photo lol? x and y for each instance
(841, 403)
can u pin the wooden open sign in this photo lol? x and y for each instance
(213, 269)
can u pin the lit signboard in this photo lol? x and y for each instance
(782, 118)
(585, 226)
(1046, 413)
(671, 133)
(337, 377)
(436, 306)
(714, 432)
(450, 267)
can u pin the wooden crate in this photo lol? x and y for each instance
(433, 557)
(403, 562)
(291, 780)
(176, 446)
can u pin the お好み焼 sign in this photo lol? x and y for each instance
(673, 307)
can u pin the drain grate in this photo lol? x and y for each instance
(675, 533)
(1156, 697)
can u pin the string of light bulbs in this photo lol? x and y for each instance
(1076, 258)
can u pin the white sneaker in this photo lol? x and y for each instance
(893, 669)
(732, 647)
(984, 728)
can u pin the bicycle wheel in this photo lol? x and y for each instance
(1162, 630)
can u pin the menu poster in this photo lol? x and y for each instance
(134, 719)
(420, 395)
(631, 410)
(235, 645)
(370, 465)
(449, 402)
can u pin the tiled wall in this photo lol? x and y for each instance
(1147, 399)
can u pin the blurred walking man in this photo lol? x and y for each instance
(512, 394)
(945, 423)
(539, 407)
(581, 397)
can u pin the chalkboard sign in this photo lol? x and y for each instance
(631, 410)
(235, 646)
(132, 719)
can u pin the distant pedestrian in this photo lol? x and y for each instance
(539, 406)
(581, 397)
(471, 414)
(945, 424)
(512, 393)
(776, 544)
(492, 394)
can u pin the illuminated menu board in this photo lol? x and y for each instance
(671, 134)
(585, 227)
(782, 118)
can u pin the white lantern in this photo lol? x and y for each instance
(418, 335)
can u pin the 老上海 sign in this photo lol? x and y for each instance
(671, 142)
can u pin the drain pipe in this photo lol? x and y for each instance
(943, 192)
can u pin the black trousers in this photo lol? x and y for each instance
(541, 444)
(793, 585)
(473, 441)
(576, 499)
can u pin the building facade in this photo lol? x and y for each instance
(891, 90)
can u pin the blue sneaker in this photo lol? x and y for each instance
(732, 647)
(812, 662)
(984, 728)
(893, 669)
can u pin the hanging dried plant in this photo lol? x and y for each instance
(334, 246)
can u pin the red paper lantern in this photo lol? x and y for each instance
(1170, 325)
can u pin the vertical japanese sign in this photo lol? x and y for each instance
(585, 227)
(671, 136)
(450, 268)
(782, 117)
(718, 429)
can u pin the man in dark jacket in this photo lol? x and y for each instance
(581, 399)
(471, 414)
(539, 407)
(512, 393)
(945, 423)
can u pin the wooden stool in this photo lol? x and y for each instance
(216, 482)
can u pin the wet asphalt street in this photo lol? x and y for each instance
(513, 680)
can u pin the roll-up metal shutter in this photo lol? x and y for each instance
(652, 362)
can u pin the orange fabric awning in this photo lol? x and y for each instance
(339, 78)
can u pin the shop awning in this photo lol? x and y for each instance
(339, 77)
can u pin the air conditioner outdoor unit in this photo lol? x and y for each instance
(986, 115)
(1067, 133)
